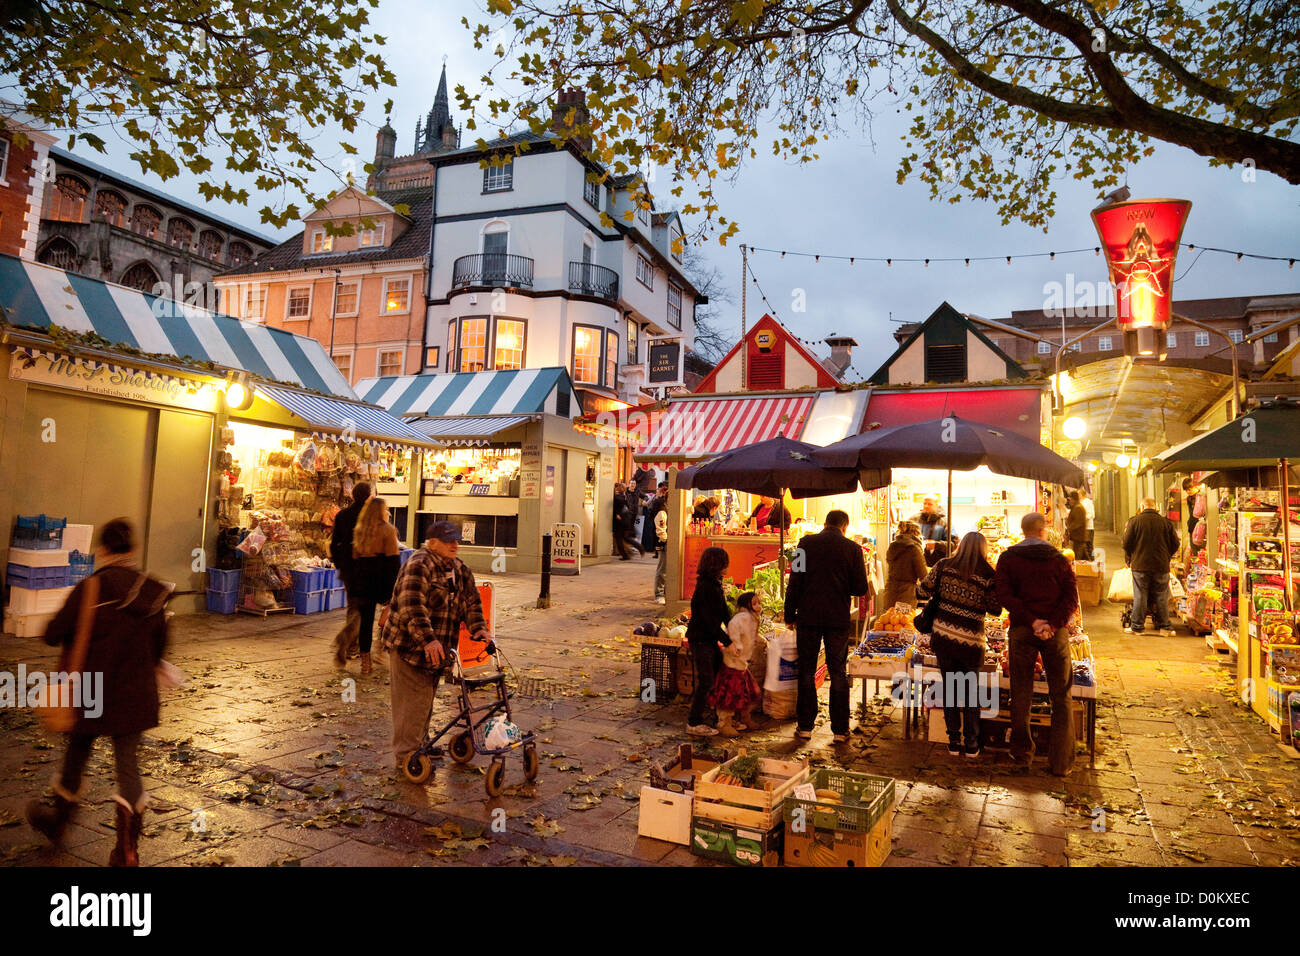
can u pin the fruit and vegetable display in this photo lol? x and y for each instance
(898, 618)
(1278, 632)
(741, 772)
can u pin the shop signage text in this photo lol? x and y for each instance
(530, 470)
(479, 489)
(113, 381)
(665, 363)
(566, 548)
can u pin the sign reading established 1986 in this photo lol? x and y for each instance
(566, 548)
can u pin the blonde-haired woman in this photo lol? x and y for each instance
(375, 551)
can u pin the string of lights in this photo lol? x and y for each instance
(1095, 250)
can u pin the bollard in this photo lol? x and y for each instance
(544, 598)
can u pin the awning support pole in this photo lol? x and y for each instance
(1284, 480)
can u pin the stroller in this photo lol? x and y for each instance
(483, 695)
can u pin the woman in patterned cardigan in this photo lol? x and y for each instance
(963, 586)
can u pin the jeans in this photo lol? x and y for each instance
(661, 573)
(809, 641)
(413, 691)
(1024, 651)
(707, 661)
(125, 761)
(1150, 592)
(959, 659)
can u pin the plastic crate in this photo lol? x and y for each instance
(26, 625)
(336, 599)
(80, 566)
(38, 559)
(46, 601)
(223, 602)
(224, 582)
(658, 664)
(324, 580)
(304, 581)
(866, 799)
(309, 602)
(35, 579)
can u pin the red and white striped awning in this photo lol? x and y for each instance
(691, 430)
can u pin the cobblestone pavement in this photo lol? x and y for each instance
(261, 759)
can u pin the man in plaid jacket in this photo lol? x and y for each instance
(434, 595)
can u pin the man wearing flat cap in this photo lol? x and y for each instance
(433, 596)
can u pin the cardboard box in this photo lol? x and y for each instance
(1089, 590)
(818, 847)
(737, 845)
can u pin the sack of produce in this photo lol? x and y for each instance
(780, 704)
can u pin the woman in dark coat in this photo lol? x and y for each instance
(376, 559)
(707, 629)
(904, 567)
(127, 639)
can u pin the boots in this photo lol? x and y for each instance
(129, 823)
(725, 726)
(366, 666)
(52, 821)
(340, 650)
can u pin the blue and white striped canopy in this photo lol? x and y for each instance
(334, 415)
(528, 391)
(36, 296)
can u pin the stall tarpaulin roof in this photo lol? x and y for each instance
(1014, 409)
(1257, 439)
(527, 391)
(703, 426)
(334, 415)
(459, 430)
(36, 296)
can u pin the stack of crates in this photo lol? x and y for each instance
(846, 821)
(223, 590)
(39, 574)
(311, 589)
(337, 598)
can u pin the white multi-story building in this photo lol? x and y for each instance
(524, 275)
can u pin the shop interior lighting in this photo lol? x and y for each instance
(1074, 428)
(1121, 460)
(239, 395)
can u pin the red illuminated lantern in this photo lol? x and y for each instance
(1140, 239)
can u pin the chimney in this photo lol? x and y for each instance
(576, 100)
(841, 353)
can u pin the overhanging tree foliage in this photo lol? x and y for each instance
(223, 88)
(1005, 97)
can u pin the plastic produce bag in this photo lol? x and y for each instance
(1121, 586)
(782, 662)
(500, 733)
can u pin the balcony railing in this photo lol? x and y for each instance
(587, 278)
(494, 269)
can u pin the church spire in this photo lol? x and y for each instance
(437, 133)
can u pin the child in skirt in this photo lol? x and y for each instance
(735, 692)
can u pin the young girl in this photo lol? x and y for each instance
(707, 628)
(735, 690)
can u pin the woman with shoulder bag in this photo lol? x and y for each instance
(962, 592)
(375, 561)
(113, 630)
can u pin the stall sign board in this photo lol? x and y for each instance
(467, 529)
(665, 363)
(113, 381)
(606, 467)
(479, 489)
(530, 470)
(566, 548)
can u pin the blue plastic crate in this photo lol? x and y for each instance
(223, 602)
(406, 555)
(224, 582)
(322, 579)
(304, 581)
(80, 566)
(338, 599)
(309, 602)
(36, 579)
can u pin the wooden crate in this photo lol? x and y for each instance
(749, 806)
(818, 847)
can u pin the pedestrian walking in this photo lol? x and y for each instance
(434, 595)
(904, 567)
(661, 570)
(345, 523)
(649, 537)
(735, 693)
(113, 626)
(828, 570)
(1090, 510)
(375, 561)
(1076, 525)
(963, 589)
(706, 630)
(1036, 585)
(1150, 542)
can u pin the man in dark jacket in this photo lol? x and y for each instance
(934, 530)
(827, 570)
(650, 540)
(1036, 585)
(621, 524)
(1150, 542)
(127, 633)
(345, 522)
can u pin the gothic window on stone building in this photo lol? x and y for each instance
(210, 245)
(238, 254)
(180, 233)
(140, 276)
(110, 206)
(145, 221)
(60, 253)
(67, 199)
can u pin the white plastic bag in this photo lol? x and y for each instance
(1121, 586)
(501, 733)
(782, 662)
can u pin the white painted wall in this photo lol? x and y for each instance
(909, 368)
(982, 363)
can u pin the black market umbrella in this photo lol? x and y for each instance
(775, 466)
(951, 444)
